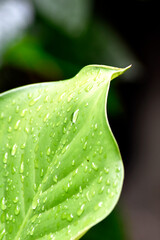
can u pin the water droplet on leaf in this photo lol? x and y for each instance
(17, 210)
(5, 157)
(81, 210)
(75, 116)
(3, 203)
(14, 149)
(94, 166)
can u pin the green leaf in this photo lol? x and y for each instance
(60, 170)
(29, 55)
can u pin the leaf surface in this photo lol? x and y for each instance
(60, 168)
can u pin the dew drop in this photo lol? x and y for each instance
(86, 169)
(33, 101)
(64, 130)
(31, 121)
(66, 188)
(23, 146)
(23, 113)
(100, 179)
(95, 126)
(106, 170)
(36, 148)
(111, 195)
(46, 117)
(39, 108)
(46, 99)
(30, 95)
(88, 196)
(48, 151)
(51, 237)
(89, 87)
(3, 203)
(81, 210)
(65, 120)
(75, 172)
(65, 149)
(9, 119)
(34, 218)
(42, 172)
(68, 109)
(13, 102)
(5, 157)
(22, 178)
(36, 163)
(115, 183)
(101, 150)
(70, 217)
(73, 162)
(17, 109)
(94, 154)
(94, 166)
(21, 170)
(14, 149)
(13, 170)
(34, 204)
(31, 231)
(75, 116)
(17, 210)
(16, 199)
(2, 233)
(118, 169)
(55, 178)
(85, 145)
(108, 191)
(57, 124)
(100, 133)
(80, 189)
(108, 182)
(61, 96)
(26, 129)
(101, 190)
(99, 205)
(70, 97)
(9, 129)
(45, 199)
(7, 216)
(64, 215)
(2, 115)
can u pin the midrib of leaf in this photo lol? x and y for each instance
(30, 210)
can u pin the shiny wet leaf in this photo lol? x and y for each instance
(60, 171)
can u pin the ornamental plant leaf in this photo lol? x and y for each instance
(60, 167)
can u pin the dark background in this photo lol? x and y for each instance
(138, 23)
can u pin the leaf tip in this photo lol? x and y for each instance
(118, 71)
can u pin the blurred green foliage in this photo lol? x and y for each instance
(52, 40)
(58, 38)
